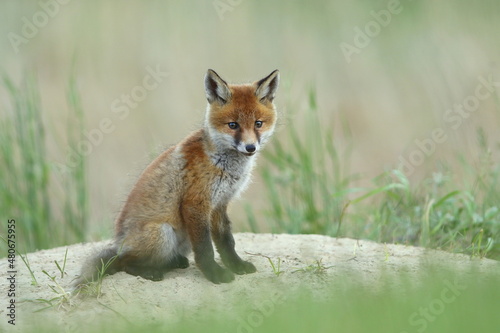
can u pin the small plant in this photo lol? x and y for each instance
(477, 248)
(386, 252)
(61, 269)
(275, 266)
(355, 248)
(24, 258)
(62, 298)
(315, 268)
(26, 262)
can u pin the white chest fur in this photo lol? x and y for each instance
(234, 177)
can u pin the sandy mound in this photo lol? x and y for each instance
(182, 291)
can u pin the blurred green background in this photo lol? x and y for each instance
(412, 64)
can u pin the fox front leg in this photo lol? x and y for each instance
(224, 241)
(199, 235)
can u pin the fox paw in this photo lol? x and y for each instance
(151, 274)
(217, 274)
(179, 262)
(183, 262)
(242, 267)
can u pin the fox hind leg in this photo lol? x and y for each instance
(182, 248)
(166, 252)
(156, 271)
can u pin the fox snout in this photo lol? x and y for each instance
(250, 148)
(247, 139)
(247, 148)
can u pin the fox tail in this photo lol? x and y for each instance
(103, 262)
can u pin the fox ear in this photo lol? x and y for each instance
(266, 88)
(216, 88)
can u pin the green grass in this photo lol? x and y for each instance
(306, 179)
(44, 217)
(310, 189)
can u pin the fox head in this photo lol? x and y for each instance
(240, 117)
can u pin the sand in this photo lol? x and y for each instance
(186, 292)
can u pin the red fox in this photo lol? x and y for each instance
(179, 202)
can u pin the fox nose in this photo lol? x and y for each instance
(250, 148)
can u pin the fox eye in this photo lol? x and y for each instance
(233, 125)
(258, 124)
